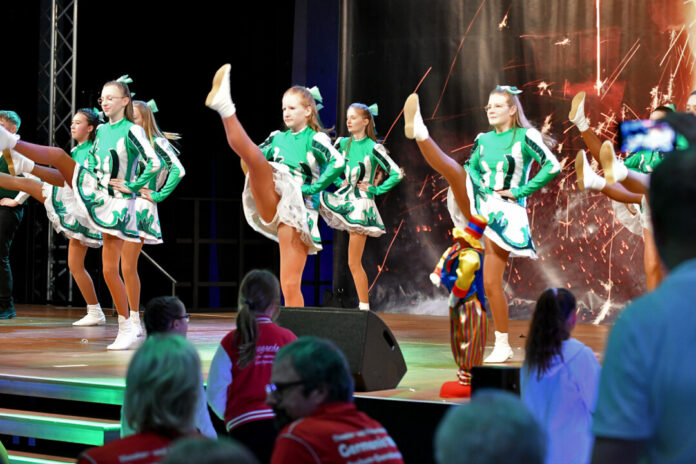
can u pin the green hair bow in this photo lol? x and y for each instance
(316, 95)
(511, 89)
(153, 106)
(125, 79)
(373, 109)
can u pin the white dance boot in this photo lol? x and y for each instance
(7, 139)
(17, 163)
(587, 178)
(363, 306)
(94, 316)
(126, 337)
(501, 350)
(614, 170)
(577, 112)
(137, 325)
(414, 128)
(219, 98)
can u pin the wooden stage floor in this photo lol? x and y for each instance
(42, 344)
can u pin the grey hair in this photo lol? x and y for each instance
(163, 384)
(494, 427)
(204, 451)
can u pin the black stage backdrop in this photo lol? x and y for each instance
(460, 51)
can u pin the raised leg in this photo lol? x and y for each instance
(293, 256)
(356, 247)
(50, 175)
(48, 155)
(22, 184)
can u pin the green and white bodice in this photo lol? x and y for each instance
(169, 175)
(308, 155)
(502, 161)
(362, 159)
(82, 154)
(117, 149)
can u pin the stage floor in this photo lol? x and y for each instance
(41, 343)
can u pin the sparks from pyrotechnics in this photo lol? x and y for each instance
(563, 43)
(598, 84)
(503, 24)
(544, 87)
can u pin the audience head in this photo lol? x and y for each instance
(259, 295)
(166, 314)
(691, 103)
(307, 373)
(163, 384)
(494, 427)
(204, 451)
(10, 121)
(553, 320)
(672, 197)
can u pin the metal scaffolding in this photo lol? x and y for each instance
(57, 84)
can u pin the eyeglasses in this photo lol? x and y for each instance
(184, 316)
(108, 99)
(276, 389)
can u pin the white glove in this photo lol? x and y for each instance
(453, 300)
(435, 279)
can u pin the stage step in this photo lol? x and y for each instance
(19, 457)
(64, 389)
(58, 427)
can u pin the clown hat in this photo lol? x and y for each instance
(473, 232)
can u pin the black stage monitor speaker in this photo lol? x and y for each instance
(502, 377)
(374, 356)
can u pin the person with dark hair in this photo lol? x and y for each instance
(311, 393)
(494, 182)
(646, 402)
(167, 315)
(559, 378)
(162, 388)
(198, 450)
(241, 366)
(494, 427)
(690, 106)
(60, 209)
(352, 206)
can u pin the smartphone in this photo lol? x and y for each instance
(646, 135)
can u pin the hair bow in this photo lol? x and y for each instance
(511, 89)
(99, 113)
(125, 79)
(373, 109)
(153, 106)
(314, 92)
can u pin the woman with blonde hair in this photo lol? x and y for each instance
(495, 183)
(352, 206)
(283, 175)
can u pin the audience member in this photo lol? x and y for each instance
(311, 392)
(167, 315)
(646, 401)
(241, 367)
(559, 378)
(162, 389)
(495, 427)
(200, 450)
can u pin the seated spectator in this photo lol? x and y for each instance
(646, 401)
(200, 450)
(167, 314)
(162, 388)
(559, 378)
(495, 427)
(311, 392)
(241, 367)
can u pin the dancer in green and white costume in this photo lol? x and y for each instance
(117, 147)
(352, 206)
(60, 207)
(493, 183)
(283, 176)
